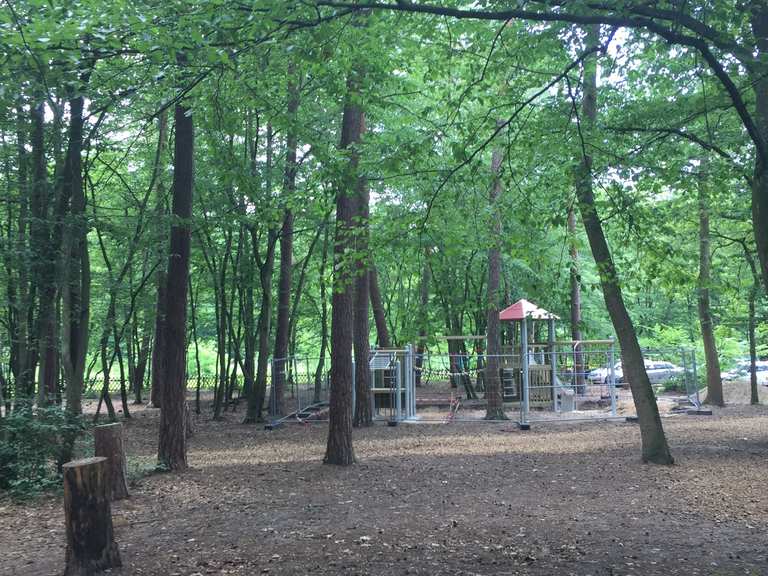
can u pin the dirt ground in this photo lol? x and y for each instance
(453, 499)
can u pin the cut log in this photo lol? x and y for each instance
(91, 545)
(108, 442)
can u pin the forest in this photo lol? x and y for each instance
(247, 244)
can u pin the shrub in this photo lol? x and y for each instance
(33, 442)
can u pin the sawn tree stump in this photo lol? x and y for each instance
(91, 544)
(108, 442)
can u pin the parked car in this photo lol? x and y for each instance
(741, 372)
(600, 375)
(658, 371)
(738, 372)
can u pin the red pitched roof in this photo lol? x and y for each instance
(524, 309)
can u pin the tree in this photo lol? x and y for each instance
(714, 382)
(725, 51)
(654, 441)
(172, 449)
(575, 299)
(280, 360)
(339, 447)
(493, 394)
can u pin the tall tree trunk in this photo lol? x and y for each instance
(575, 303)
(654, 442)
(494, 409)
(142, 357)
(266, 269)
(43, 256)
(158, 346)
(23, 373)
(220, 291)
(320, 369)
(752, 322)
(339, 449)
(361, 324)
(172, 449)
(753, 396)
(249, 325)
(198, 371)
(299, 290)
(380, 319)
(76, 285)
(258, 393)
(759, 22)
(121, 367)
(714, 382)
(280, 361)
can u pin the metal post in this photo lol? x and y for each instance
(272, 397)
(408, 389)
(612, 378)
(525, 401)
(372, 398)
(695, 378)
(299, 406)
(686, 379)
(553, 364)
(398, 392)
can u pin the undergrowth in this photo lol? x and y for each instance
(34, 442)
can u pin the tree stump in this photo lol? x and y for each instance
(91, 545)
(108, 442)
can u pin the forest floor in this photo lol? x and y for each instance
(453, 499)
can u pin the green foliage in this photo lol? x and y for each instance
(433, 90)
(32, 444)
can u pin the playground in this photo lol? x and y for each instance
(542, 378)
(459, 499)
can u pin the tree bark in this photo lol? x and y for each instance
(172, 449)
(575, 303)
(195, 341)
(753, 396)
(714, 382)
(22, 346)
(158, 346)
(266, 269)
(258, 393)
(283, 321)
(494, 409)
(91, 546)
(121, 367)
(752, 322)
(759, 21)
(76, 281)
(654, 442)
(379, 317)
(108, 442)
(339, 448)
(142, 356)
(249, 324)
(361, 325)
(43, 256)
(323, 318)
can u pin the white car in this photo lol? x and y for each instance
(600, 375)
(658, 372)
(741, 372)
